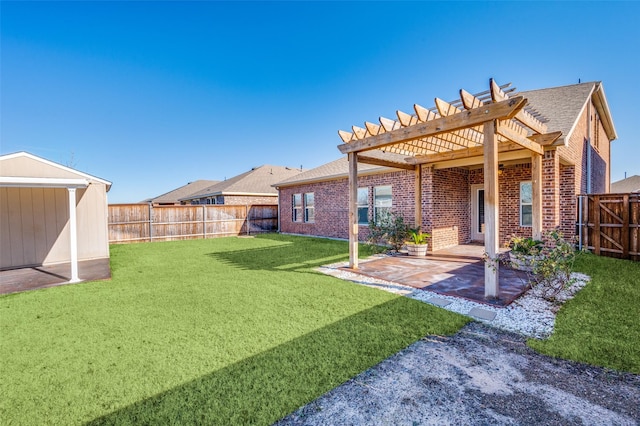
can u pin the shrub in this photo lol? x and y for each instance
(549, 262)
(390, 230)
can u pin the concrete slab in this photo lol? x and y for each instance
(438, 301)
(482, 314)
(457, 271)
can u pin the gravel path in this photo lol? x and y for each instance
(484, 374)
(481, 375)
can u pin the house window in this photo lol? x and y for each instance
(309, 207)
(363, 206)
(297, 207)
(381, 201)
(219, 199)
(526, 204)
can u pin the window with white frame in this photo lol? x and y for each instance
(526, 204)
(309, 207)
(381, 201)
(363, 206)
(297, 207)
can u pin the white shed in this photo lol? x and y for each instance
(50, 214)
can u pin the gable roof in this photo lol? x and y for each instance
(628, 185)
(27, 167)
(562, 106)
(339, 169)
(257, 181)
(184, 191)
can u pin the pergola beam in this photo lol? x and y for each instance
(500, 110)
(522, 116)
(460, 153)
(512, 134)
(384, 163)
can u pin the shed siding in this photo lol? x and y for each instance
(35, 225)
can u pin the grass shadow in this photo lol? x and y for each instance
(266, 387)
(297, 254)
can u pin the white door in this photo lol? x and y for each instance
(477, 212)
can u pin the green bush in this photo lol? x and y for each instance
(388, 231)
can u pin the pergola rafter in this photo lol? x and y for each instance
(479, 126)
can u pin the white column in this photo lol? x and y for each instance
(73, 235)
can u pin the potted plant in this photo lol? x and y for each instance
(524, 252)
(417, 244)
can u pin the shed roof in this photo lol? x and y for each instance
(23, 168)
(628, 185)
(257, 181)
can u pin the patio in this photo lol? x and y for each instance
(23, 279)
(456, 271)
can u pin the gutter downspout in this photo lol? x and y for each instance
(589, 147)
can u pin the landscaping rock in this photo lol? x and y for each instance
(481, 375)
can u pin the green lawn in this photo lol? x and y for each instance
(221, 331)
(601, 325)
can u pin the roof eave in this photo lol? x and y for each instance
(337, 176)
(601, 104)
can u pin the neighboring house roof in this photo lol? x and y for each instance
(562, 106)
(181, 192)
(257, 181)
(628, 185)
(25, 169)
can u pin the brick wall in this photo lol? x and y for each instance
(449, 218)
(332, 204)
(509, 198)
(235, 200)
(550, 190)
(588, 135)
(567, 200)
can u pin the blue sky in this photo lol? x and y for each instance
(152, 95)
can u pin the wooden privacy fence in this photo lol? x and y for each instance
(609, 224)
(130, 223)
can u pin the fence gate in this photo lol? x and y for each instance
(609, 224)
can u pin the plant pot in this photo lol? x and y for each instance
(417, 249)
(522, 262)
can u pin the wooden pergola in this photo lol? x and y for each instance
(481, 125)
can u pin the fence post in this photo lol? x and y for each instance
(246, 214)
(625, 226)
(596, 225)
(150, 222)
(204, 222)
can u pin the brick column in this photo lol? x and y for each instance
(550, 190)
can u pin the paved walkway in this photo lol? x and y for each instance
(23, 279)
(457, 271)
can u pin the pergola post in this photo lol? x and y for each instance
(353, 210)
(418, 195)
(73, 236)
(536, 194)
(491, 215)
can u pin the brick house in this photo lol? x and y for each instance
(451, 184)
(252, 187)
